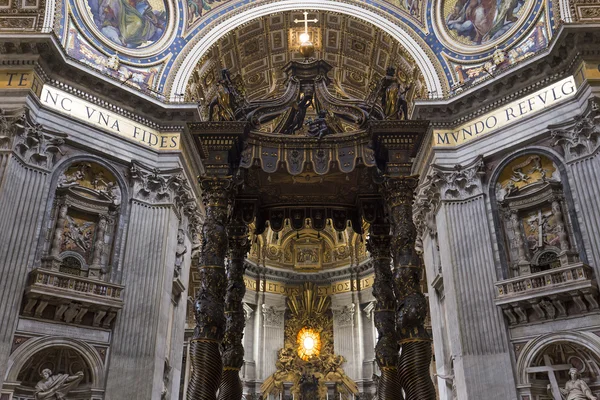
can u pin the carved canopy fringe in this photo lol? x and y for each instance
(343, 153)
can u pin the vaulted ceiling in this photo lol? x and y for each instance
(358, 51)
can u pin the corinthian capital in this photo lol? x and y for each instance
(156, 186)
(581, 136)
(33, 143)
(460, 182)
(426, 204)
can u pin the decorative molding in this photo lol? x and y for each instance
(32, 142)
(460, 182)
(155, 186)
(427, 201)
(580, 137)
(369, 308)
(344, 316)
(272, 317)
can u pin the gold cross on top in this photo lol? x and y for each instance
(306, 21)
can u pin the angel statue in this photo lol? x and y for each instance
(576, 388)
(56, 387)
(392, 95)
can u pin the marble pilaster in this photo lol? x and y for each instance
(141, 336)
(24, 175)
(579, 139)
(482, 363)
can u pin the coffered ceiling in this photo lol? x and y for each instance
(257, 51)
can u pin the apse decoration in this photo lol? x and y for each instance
(129, 23)
(307, 361)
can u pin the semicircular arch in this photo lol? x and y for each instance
(587, 340)
(424, 58)
(31, 347)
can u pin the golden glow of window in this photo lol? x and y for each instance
(309, 343)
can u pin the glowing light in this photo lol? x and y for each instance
(309, 343)
(304, 37)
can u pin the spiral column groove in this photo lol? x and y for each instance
(411, 307)
(205, 354)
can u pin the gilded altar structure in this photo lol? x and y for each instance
(228, 199)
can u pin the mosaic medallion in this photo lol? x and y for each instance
(477, 22)
(132, 24)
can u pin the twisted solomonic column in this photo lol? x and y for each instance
(415, 358)
(209, 307)
(386, 350)
(233, 350)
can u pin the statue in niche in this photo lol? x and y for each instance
(179, 253)
(56, 387)
(227, 99)
(576, 388)
(79, 234)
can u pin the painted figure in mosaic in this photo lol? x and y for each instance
(482, 20)
(576, 388)
(56, 387)
(129, 23)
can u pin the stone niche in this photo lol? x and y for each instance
(546, 278)
(72, 284)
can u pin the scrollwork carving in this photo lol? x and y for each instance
(581, 137)
(345, 316)
(272, 316)
(460, 182)
(35, 144)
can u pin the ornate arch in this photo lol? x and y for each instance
(420, 51)
(535, 346)
(27, 350)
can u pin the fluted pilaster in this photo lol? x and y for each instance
(482, 363)
(24, 175)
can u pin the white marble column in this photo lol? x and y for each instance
(476, 330)
(23, 199)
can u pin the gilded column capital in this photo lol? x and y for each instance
(460, 182)
(581, 136)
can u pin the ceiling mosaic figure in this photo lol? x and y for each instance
(129, 23)
(479, 22)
